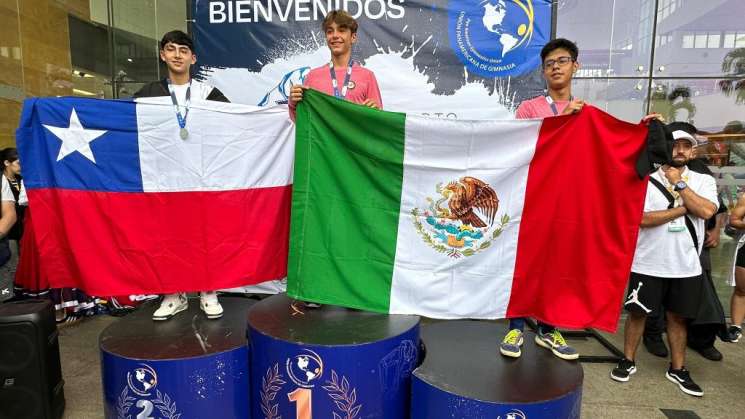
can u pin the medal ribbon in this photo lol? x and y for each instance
(334, 83)
(180, 118)
(553, 105)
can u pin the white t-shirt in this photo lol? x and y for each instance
(664, 253)
(7, 193)
(22, 196)
(199, 91)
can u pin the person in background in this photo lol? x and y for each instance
(737, 302)
(12, 172)
(703, 330)
(666, 273)
(7, 220)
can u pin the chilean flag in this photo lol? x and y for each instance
(122, 205)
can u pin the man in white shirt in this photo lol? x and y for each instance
(7, 219)
(666, 272)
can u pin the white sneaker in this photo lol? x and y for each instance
(171, 305)
(210, 305)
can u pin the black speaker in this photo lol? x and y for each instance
(31, 385)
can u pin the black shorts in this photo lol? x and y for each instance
(740, 257)
(652, 296)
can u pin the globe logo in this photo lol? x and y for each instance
(142, 380)
(497, 38)
(305, 368)
(493, 19)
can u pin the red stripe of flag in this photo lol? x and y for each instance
(580, 222)
(111, 243)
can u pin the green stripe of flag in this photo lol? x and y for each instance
(345, 202)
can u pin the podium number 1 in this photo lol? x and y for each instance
(303, 409)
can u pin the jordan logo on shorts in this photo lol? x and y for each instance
(634, 299)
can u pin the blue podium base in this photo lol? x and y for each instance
(464, 376)
(185, 367)
(329, 362)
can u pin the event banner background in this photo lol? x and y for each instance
(464, 59)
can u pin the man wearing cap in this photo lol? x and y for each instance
(666, 271)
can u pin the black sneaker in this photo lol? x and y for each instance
(623, 370)
(735, 333)
(683, 379)
(655, 345)
(711, 353)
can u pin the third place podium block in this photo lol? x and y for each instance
(465, 377)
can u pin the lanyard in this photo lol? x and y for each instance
(181, 119)
(334, 83)
(553, 105)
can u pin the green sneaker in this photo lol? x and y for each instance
(511, 343)
(556, 343)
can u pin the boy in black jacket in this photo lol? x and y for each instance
(177, 51)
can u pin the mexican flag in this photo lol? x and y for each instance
(443, 218)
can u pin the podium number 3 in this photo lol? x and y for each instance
(302, 398)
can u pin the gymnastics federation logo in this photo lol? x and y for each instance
(514, 414)
(143, 380)
(305, 368)
(497, 38)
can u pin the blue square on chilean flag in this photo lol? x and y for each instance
(93, 148)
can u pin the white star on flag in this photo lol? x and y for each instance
(75, 138)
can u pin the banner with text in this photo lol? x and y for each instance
(462, 59)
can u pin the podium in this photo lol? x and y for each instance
(464, 376)
(329, 362)
(185, 367)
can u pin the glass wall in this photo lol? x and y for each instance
(89, 48)
(693, 71)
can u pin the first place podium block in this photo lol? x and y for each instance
(465, 377)
(185, 367)
(329, 362)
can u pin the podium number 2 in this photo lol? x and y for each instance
(302, 398)
(147, 409)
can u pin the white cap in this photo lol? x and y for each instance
(683, 135)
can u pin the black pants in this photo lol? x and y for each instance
(699, 336)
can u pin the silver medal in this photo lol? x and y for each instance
(183, 133)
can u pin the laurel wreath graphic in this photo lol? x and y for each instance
(124, 402)
(453, 252)
(166, 406)
(162, 402)
(271, 383)
(345, 400)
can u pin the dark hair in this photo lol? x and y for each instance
(177, 37)
(10, 154)
(341, 18)
(560, 43)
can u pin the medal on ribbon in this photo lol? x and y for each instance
(183, 132)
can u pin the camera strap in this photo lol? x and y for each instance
(671, 200)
